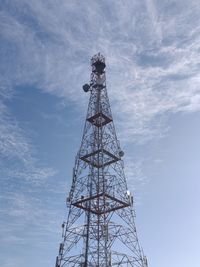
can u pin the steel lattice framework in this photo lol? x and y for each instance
(100, 228)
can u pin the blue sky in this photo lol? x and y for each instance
(152, 50)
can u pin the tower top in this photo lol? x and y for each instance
(98, 64)
(98, 57)
(97, 80)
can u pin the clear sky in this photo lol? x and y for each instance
(152, 51)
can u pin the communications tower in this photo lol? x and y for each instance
(100, 228)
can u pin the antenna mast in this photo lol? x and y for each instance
(100, 228)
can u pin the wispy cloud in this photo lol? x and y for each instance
(136, 178)
(154, 19)
(152, 54)
(22, 177)
(17, 149)
(152, 62)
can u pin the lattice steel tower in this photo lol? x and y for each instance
(100, 229)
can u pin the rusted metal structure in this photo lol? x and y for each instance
(100, 228)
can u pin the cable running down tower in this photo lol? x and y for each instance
(100, 228)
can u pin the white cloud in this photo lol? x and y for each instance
(152, 55)
(135, 177)
(147, 81)
(153, 15)
(148, 61)
(16, 149)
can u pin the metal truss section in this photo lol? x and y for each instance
(123, 260)
(100, 158)
(100, 227)
(100, 204)
(99, 119)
